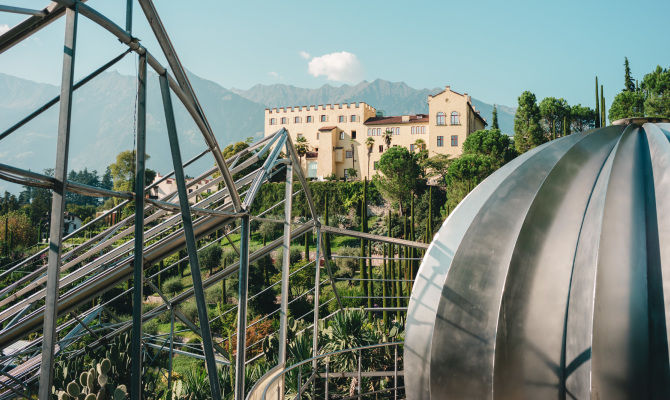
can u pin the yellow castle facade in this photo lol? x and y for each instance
(337, 134)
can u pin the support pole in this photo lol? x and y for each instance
(50, 337)
(206, 335)
(317, 287)
(242, 308)
(285, 267)
(129, 16)
(138, 262)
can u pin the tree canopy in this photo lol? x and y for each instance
(491, 143)
(402, 175)
(527, 130)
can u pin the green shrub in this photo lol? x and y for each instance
(189, 309)
(173, 285)
(210, 257)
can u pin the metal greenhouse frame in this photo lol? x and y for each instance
(74, 277)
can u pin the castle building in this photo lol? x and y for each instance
(336, 134)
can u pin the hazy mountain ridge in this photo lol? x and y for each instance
(394, 98)
(103, 122)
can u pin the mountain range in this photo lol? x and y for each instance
(103, 117)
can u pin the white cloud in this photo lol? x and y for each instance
(3, 28)
(273, 74)
(305, 55)
(342, 67)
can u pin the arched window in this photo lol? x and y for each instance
(454, 118)
(284, 120)
(441, 118)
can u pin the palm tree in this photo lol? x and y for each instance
(369, 142)
(388, 135)
(301, 147)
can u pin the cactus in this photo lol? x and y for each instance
(73, 389)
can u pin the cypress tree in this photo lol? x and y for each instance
(494, 118)
(597, 105)
(385, 315)
(307, 235)
(362, 270)
(325, 221)
(371, 288)
(628, 79)
(413, 238)
(603, 121)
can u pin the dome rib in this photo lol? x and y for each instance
(529, 344)
(470, 299)
(549, 279)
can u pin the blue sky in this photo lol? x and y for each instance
(491, 49)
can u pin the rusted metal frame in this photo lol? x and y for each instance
(58, 206)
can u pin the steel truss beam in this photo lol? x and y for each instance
(58, 206)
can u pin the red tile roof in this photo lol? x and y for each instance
(413, 119)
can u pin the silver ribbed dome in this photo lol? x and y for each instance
(552, 278)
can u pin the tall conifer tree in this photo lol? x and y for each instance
(597, 105)
(603, 121)
(494, 118)
(628, 79)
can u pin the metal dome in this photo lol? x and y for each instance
(552, 278)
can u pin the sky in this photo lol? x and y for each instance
(493, 50)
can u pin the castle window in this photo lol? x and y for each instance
(441, 118)
(370, 132)
(353, 118)
(379, 131)
(353, 134)
(300, 135)
(381, 148)
(349, 154)
(309, 118)
(454, 140)
(375, 165)
(397, 131)
(454, 118)
(440, 141)
(297, 120)
(342, 118)
(413, 130)
(273, 121)
(324, 118)
(284, 120)
(411, 148)
(342, 135)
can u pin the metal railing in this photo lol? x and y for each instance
(313, 378)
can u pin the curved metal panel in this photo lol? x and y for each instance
(464, 336)
(550, 278)
(430, 278)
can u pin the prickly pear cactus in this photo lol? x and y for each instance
(93, 384)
